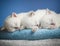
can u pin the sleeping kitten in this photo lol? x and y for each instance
(30, 21)
(11, 23)
(55, 19)
(50, 20)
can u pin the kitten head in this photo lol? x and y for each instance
(12, 22)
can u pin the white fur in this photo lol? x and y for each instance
(30, 21)
(40, 17)
(11, 22)
(40, 13)
(20, 20)
(46, 19)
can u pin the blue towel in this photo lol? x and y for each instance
(27, 34)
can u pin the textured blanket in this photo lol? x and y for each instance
(47, 42)
(27, 34)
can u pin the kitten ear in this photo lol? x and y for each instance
(31, 13)
(48, 11)
(14, 14)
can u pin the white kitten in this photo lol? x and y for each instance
(12, 23)
(30, 21)
(50, 20)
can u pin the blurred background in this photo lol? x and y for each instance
(18, 6)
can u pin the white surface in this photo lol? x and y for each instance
(47, 42)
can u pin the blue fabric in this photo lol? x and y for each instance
(27, 34)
